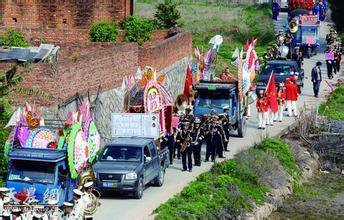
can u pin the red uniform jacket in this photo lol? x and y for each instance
(281, 95)
(262, 104)
(292, 91)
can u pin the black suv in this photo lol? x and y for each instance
(281, 69)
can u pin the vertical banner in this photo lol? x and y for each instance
(240, 78)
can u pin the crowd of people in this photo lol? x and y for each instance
(186, 142)
(12, 209)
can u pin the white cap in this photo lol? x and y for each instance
(78, 192)
(88, 184)
(15, 209)
(7, 200)
(4, 189)
(33, 201)
(68, 204)
(52, 202)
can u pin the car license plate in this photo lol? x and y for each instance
(110, 184)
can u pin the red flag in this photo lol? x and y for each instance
(188, 82)
(271, 93)
(247, 44)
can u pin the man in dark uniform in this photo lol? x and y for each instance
(217, 139)
(226, 128)
(196, 141)
(168, 141)
(183, 139)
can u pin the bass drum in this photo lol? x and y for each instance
(252, 97)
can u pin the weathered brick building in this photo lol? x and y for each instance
(66, 14)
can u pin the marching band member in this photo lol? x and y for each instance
(225, 130)
(291, 97)
(68, 211)
(183, 138)
(39, 213)
(280, 102)
(87, 197)
(262, 109)
(6, 213)
(196, 141)
(79, 204)
(226, 126)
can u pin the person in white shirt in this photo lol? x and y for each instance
(79, 205)
(3, 191)
(68, 211)
(87, 197)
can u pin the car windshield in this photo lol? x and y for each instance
(33, 171)
(211, 99)
(278, 69)
(122, 153)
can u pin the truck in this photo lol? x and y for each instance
(129, 164)
(134, 157)
(217, 95)
(45, 164)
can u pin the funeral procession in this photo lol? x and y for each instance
(166, 109)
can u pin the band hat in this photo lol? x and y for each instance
(78, 192)
(88, 184)
(33, 201)
(15, 210)
(52, 202)
(6, 200)
(225, 107)
(197, 121)
(4, 189)
(68, 204)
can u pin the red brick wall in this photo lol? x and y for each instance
(62, 13)
(165, 53)
(86, 66)
(104, 67)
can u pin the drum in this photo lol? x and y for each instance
(252, 97)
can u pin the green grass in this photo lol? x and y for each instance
(334, 107)
(232, 185)
(235, 22)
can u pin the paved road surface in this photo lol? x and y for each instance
(124, 207)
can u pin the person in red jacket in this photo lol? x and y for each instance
(280, 101)
(262, 109)
(291, 97)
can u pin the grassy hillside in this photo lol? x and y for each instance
(334, 107)
(236, 23)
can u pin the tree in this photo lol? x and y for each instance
(337, 8)
(167, 14)
(137, 29)
(103, 31)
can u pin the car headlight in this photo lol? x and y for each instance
(131, 176)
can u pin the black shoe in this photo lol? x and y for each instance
(183, 170)
(190, 170)
(206, 161)
(171, 163)
(198, 165)
(222, 157)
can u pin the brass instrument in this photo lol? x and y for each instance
(293, 26)
(92, 207)
(185, 144)
(86, 176)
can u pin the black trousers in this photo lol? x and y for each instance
(187, 158)
(219, 149)
(338, 65)
(176, 147)
(197, 154)
(225, 144)
(329, 69)
(210, 151)
(171, 151)
(316, 86)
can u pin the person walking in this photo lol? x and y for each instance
(184, 139)
(196, 141)
(329, 57)
(316, 78)
(292, 93)
(280, 102)
(275, 10)
(262, 109)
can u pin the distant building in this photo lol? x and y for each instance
(62, 14)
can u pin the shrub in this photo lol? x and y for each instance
(13, 38)
(167, 13)
(334, 107)
(103, 31)
(137, 29)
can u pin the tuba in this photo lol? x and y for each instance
(293, 26)
(185, 144)
(91, 208)
(86, 176)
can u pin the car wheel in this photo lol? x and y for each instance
(139, 189)
(159, 180)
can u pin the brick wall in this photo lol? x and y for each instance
(105, 67)
(165, 53)
(62, 13)
(86, 66)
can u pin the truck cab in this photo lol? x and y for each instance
(128, 164)
(217, 95)
(41, 173)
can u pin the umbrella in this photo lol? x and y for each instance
(298, 12)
